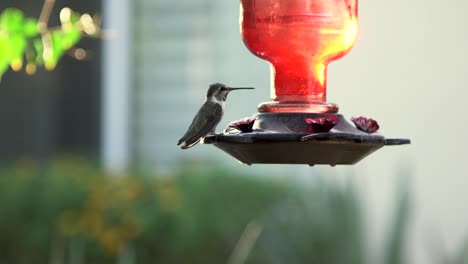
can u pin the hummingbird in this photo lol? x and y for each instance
(209, 115)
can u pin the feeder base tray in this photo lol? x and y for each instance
(343, 145)
(281, 149)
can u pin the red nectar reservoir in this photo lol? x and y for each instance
(299, 38)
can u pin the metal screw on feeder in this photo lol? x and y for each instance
(299, 38)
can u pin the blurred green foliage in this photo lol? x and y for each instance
(462, 255)
(24, 38)
(193, 216)
(71, 211)
(14, 33)
(398, 228)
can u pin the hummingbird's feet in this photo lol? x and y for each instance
(211, 133)
(228, 130)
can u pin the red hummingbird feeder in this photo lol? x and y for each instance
(299, 38)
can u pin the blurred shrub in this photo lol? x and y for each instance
(320, 224)
(71, 208)
(70, 211)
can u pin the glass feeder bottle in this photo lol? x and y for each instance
(299, 38)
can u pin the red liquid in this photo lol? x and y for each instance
(299, 38)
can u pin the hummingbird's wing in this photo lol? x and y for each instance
(204, 122)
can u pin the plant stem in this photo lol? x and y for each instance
(47, 8)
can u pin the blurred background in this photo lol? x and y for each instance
(90, 170)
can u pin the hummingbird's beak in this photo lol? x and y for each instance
(239, 88)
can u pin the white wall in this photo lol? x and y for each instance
(409, 70)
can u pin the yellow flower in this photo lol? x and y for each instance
(67, 223)
(170, 196)
(91, 223)
(26, 167)
(112, 242)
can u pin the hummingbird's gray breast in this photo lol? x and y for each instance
(212, 112)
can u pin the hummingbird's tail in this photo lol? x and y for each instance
(186, 145)
(180, 141)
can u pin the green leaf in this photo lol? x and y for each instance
(75, 17)
(4, 53)
(39, 50)
(12, 47)
(11, 20)
(3, 69)
(30, 27)
(17, 46)
(62, 41)
(13, 37)
(70, 38)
